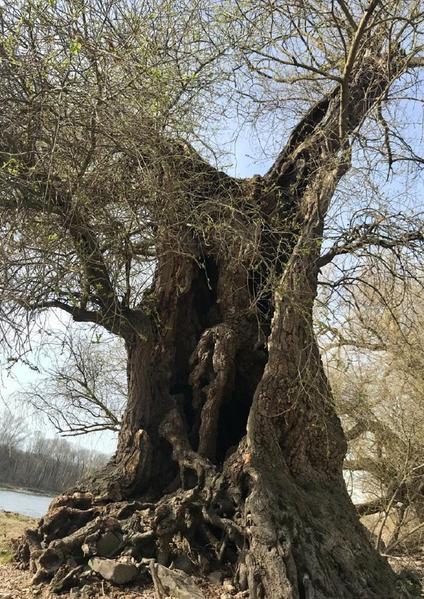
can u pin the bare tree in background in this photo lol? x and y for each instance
(84, 388)
(31, 461)
(113, 210)
(13, 430)
(377, 369)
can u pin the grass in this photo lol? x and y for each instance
(12, 526)
(6, 556)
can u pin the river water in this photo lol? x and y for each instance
(25, 503)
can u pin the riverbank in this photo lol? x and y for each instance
(12, 526)
(29, 490)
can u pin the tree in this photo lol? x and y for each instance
(12, 430)
(49, 465)
(84, 388)
(112, 210)
(377, 378)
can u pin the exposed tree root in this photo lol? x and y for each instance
(275, 539)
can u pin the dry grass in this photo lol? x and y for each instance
(12, 526)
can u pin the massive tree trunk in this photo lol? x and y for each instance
(230, 444)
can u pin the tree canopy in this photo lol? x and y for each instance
(108, 121)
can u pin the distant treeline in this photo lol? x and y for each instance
(34, 462)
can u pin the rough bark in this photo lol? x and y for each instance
(231, 451)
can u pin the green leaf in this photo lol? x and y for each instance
(75, 46)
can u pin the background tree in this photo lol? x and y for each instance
(83, 389)
(376, 369)
(113, 210)
(12, 430)
(32, 461)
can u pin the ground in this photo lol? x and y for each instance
(16, 584)
(11, 527)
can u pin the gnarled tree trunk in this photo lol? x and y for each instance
(230, 440)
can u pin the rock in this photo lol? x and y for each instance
(88, 549)
(118, 572)
(163, 557)
(109, 543)
(226, 596)
(177, 584)
(216, 577)
(144, 543)
(182, 562)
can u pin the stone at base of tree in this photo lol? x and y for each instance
(216, 577)
(182, 562)
(109, 543)
(175, 583)
(117, 571)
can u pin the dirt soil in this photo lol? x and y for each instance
(16, 584)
